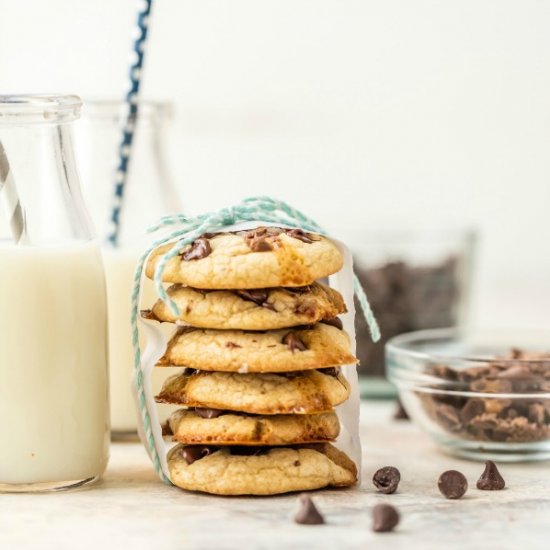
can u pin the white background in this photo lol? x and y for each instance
(365, 114)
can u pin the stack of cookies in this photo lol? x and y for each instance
(261, 344)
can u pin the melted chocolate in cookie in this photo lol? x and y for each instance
(334, 322)
(258, 296)
(293, 342)
(199, 250)
(192, 453)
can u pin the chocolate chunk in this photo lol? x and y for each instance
(473, 408)
(199, 250)
(449, 417)
(452, 484)
(330, 371)
(293, 342)
(490, 479)
(537, 413)
(386, 479)
(335, 322)
(208, 413)
(260, 239)
(300, 235)
(308, 513)
(384, 518)
(258, 296)
(400, 412)
(188, 371)
(166, 429)
(192, 453)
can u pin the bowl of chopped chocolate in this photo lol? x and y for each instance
(482, 395)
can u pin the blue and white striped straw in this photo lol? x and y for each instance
(128, 130)
(10, 199)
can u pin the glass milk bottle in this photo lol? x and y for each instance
(53, 319)
(148, 195)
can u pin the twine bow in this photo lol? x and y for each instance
(265, 209)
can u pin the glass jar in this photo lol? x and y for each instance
(53, 319)
(414, 281)
(149, 194)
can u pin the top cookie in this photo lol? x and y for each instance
(255, 258)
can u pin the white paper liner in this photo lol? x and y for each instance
(156, 342)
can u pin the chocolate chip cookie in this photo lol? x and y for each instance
(259, 470)
(302, 348)
(306, 392)
(257, 258)
(218, 427)
(256, 309)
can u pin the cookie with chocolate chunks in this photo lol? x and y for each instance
(263, 257)
(311, 347)
(302, 392)
(219, 427)
(251, 309)
(233, 470)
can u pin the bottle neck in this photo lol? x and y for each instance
(43, 184)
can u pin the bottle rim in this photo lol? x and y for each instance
(23, 109)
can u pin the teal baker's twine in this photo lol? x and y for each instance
(263, 209)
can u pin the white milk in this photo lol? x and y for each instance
(54, 423)
(119, 273)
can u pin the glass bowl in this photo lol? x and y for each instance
(478, 395)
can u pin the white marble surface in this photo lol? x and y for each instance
(131, 509)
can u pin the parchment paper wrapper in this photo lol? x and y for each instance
(157, 340)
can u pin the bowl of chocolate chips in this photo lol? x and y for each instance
(483, 395)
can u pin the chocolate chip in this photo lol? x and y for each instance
(188, 371)
(300, 235)
(258, 296)
(473, 408)
(387, 479)
(384, 518)
(166, 429)
(308, 513)
(400, 412)
(293, 342)
(208, 413)
(490, 479)
(334, 322)
(452, 484)
(330, 371)
(192, 453)
(199, 250)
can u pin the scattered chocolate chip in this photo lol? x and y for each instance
(192, 453)
(400, 412)
(166, 429)
(208, 413)
(334, 322)
(490, 479)
(330, 371)
(199, 250)
(232, 345)
(452, 484)
(188, 371)
(384, 518)
(293, 342)
(258, 296)
(387, 479)
(300, 235)
(308, 513)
